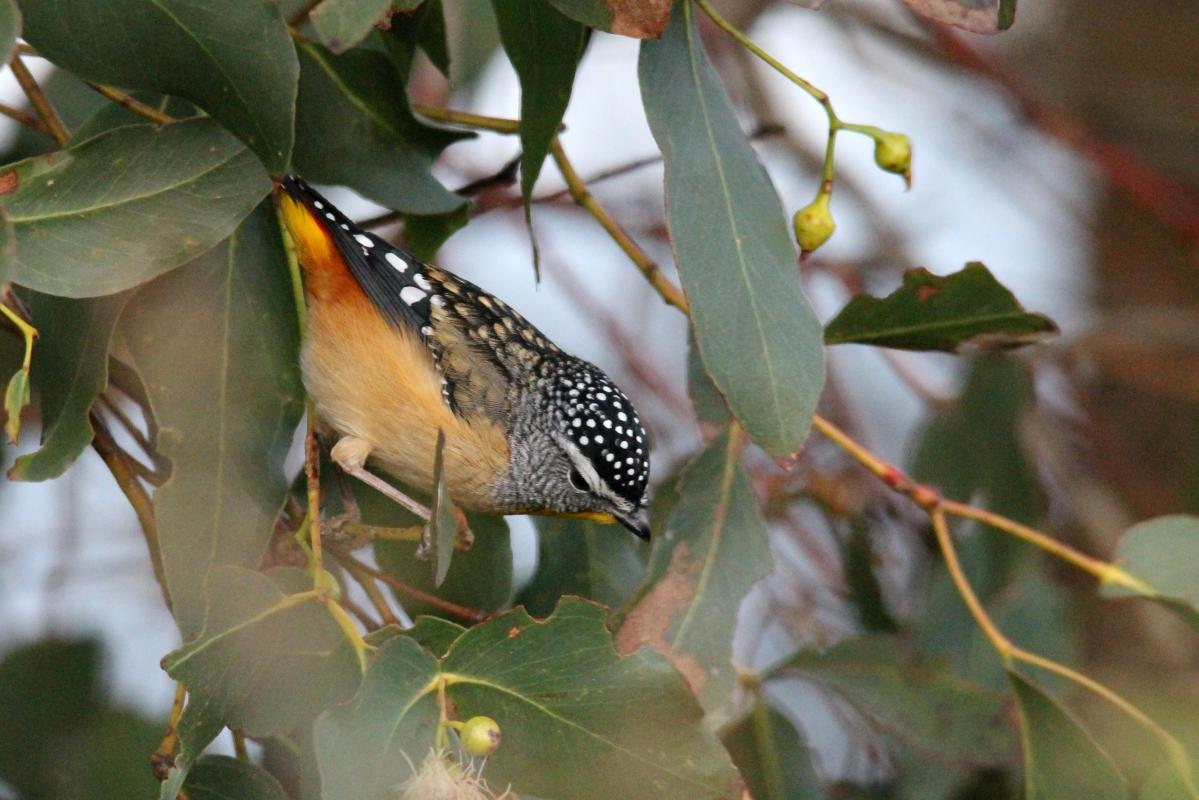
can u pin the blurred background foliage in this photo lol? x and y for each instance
(1059, 152)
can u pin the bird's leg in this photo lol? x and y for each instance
(350, 453)
(466, 537)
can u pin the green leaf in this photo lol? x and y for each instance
(225, 778)
(930, 312)
(72, 370)
(577, 720)
(1163, 553)
(10, 28)
(116, 210)
(357, 130)
(442, 525)
(772, 756)
(480, 578)
(1061, 760)
(714, 549)
(576, 557)
(642, 20)
(342, 24)
(263, 662)
(758, 337)
(544, 48)
(435, 634)
(232, 58)
(16, 397)
(921, 705)
(974, 447)
(216, 345)
(976, 16)
(1167, 782)
(425, 28)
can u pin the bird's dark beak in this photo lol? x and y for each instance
(637, 522)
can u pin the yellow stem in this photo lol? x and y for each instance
(132, 104)
(949, 553)
(349, 630)
(495, 124)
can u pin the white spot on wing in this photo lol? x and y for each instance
(410, 295)
(364, 240)
(394, 259)
(421, 281)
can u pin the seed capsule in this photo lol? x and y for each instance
(813, 225)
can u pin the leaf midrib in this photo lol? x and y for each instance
(940, 326)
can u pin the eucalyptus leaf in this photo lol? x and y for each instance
(772, 755)
(10, 27)
(931, 312)
(714, 549)
(1061, 760)
(223, 778)
(577, 720)
(442, 527)
(758, 337)
(123, 207)
(72, 370)
(341, 25)
(232, 58)
(642, 20)
(216, 345)
(357, 130)
(582, 558)
(1163, 553)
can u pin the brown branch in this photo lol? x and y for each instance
(367, 582)
(133, 104)
(24, 117)
(117, 462)
(578, 190)
(41, 104)
(472, 614)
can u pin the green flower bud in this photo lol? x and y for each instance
(813, 225)
(480, 736)
(893, 153)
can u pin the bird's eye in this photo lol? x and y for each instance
(577, 481)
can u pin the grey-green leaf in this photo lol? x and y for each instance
(714, 549)
(577, 720)
(644, 19)
(544, 47)
(232, 58)
(1163, 553)
(931, 312)
(226, 778)
(342, 24)
(1061, 760)
(757, 334)
(358, 130)
(217, 348)
(442, 525)
(10, 27)
(772, 756)
(72, 370)
(577, 557)
(921, 705)
(121, 208)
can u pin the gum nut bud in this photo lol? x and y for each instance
(893, 153)
(813, 224)
(480, 736)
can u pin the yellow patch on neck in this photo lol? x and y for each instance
(590, 516)
(314, 246)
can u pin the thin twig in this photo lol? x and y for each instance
(157, 475)
(472, 614)
(133, 104)
(578, 190)
(367, 582)
(117, 462)
(41, 104)
(163, 757)
(24, 117)
(467, 119)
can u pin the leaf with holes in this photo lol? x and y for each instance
(714, 549)
(931, 312)
(72, 370)
(1163, 554)
(1061, 759)
(232, 58)
(360, 132)
(123, 207)
(216, 345)
(758, 337)
(578, 721)
(976, 16)
(641, 19)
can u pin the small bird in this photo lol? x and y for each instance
(396, 350)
